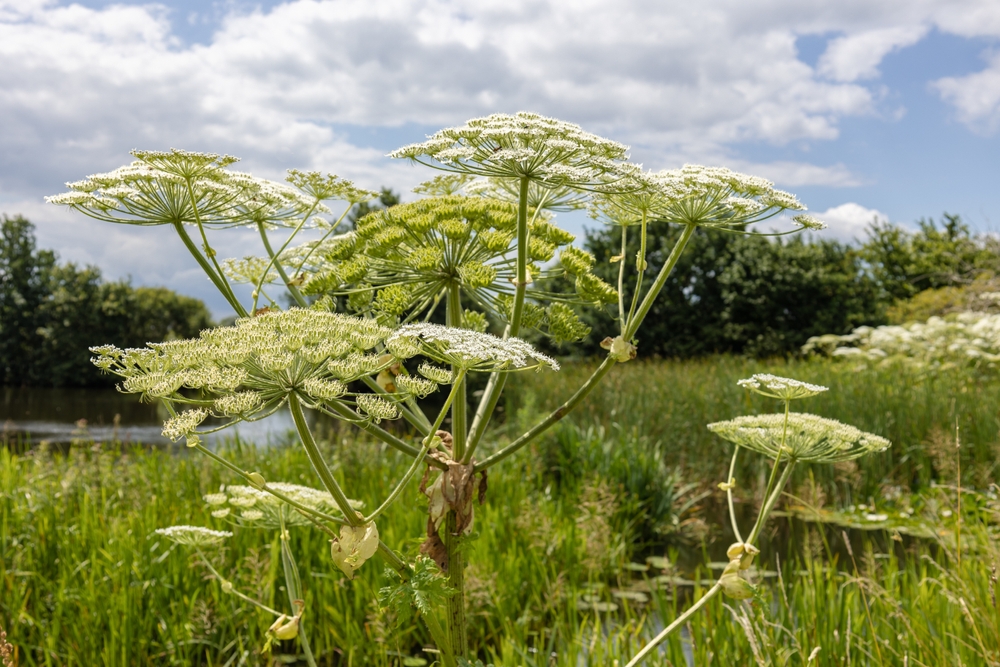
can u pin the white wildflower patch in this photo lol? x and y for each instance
(807, 438)
(965, 339)
(195, 536)
(473, 350)
(774, 386)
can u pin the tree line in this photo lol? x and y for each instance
(747, 293)
(736, 293)
(51, 313)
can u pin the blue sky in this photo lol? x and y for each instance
(863, 109)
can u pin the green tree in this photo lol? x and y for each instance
(24, 287)
(744, 293)
(50, 314)
(905, 263)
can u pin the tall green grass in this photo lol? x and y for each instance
(669, 404)
(85, 581)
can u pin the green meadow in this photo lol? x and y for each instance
(591, 540)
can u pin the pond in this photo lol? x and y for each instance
(30, 415)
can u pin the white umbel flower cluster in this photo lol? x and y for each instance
(965, 339)
(807, 438)
(526, 145)
(179, 187)
(774, 386)
(471, 350)
(248, 370)
(194, 536)
(719, 197)
(260, 509)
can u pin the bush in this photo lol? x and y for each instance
(50, 314)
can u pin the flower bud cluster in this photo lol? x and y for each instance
(402, 259)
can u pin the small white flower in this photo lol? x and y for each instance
(775, 386)
(193, 535)
(215, 498)
(474, 350)
(184, 423)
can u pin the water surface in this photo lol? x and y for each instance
(33, 414)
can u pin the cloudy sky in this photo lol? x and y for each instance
(888, 108)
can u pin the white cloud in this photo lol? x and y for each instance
(849, 221)
(976, 97)
(289, 87)
(857, 56)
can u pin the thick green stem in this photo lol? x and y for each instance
(319, 465)
(661, 279)
(553, 417)
(457, 627)
(658, 639)
(459, 407)
(217, 280)
(457, 632)
(762, 517)
(522, 258)
(226, 287)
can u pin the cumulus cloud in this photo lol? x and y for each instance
(975, 97)
(857, 56)
(849, 221)
(293, 85)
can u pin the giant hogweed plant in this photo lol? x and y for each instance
(360, 343)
